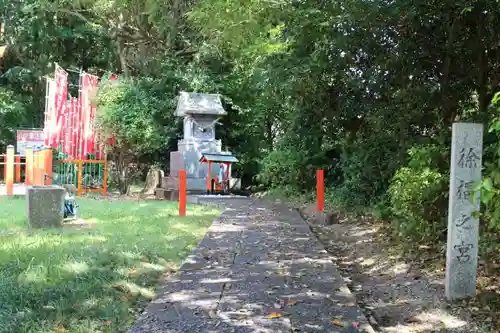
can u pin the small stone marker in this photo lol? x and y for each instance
(45, 206)
(463, 227)
(153, 181)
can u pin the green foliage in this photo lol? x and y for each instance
(128, 111)
(283, 168)
(131, 112)
(366, 169)
(350, 87)
(490, 185)
(139, 113)
(417, 198)
(12, 117)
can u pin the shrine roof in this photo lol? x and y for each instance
(218, 158)
(198, 103)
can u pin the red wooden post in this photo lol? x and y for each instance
(18, 168)
(9, 177)
(47, 166)
(320, 190)
(209, 178)
(227, 177)
(36, 169)
(182, 193)
(79, 178)
(28, 152)
(105, 178)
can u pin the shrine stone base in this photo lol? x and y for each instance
(195, 184)
(165, 194)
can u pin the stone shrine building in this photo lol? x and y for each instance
(200, 113)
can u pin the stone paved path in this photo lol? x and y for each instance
(255, 260)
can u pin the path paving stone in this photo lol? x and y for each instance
(257, 261)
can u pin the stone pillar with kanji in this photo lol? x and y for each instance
(463, 219)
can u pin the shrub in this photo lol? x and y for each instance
(283, 169)
(490, 186)
(418, 196)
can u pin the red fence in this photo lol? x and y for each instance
(37, 169)
(87, 176)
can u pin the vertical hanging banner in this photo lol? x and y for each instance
(74, 127)
(92, 138)
(78, 127)
(84, 104)
(69, 130)
(61, 137)
(88, 90)
(61, 96)
(93, 135)
(70, 123)
(50, 106)
(66, 133)
(57, 93)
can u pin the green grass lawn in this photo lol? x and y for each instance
(90, 279)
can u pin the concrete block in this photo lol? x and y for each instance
(45, 206)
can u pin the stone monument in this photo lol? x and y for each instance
(153, 181)
(45, 206)
(200, 114)
(463, 224)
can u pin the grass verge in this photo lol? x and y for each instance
(90, 278)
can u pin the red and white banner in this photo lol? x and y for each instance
(49, 110)
(66, 130)
(74, 127)
(57, 95)
(78, 129)
(88, 89)
(70, 124)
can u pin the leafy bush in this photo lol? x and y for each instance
(418, 196)
(12, 117)
(282, 168)
(366, 168)
(490, 186)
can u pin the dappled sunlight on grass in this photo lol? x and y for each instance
(133, 289)
(91, 278)
(75, 268)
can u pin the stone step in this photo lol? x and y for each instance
(194, 184)
(167, 194)
(170, 182)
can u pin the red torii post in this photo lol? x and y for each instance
(182, 193)
(320, 190)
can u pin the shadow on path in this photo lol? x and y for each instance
(257, 261)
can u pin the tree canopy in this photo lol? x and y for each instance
(367, 90)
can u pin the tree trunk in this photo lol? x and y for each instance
(122, 54)
(122, 172)
(269, 133)
(482, 79)
(449, 113)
